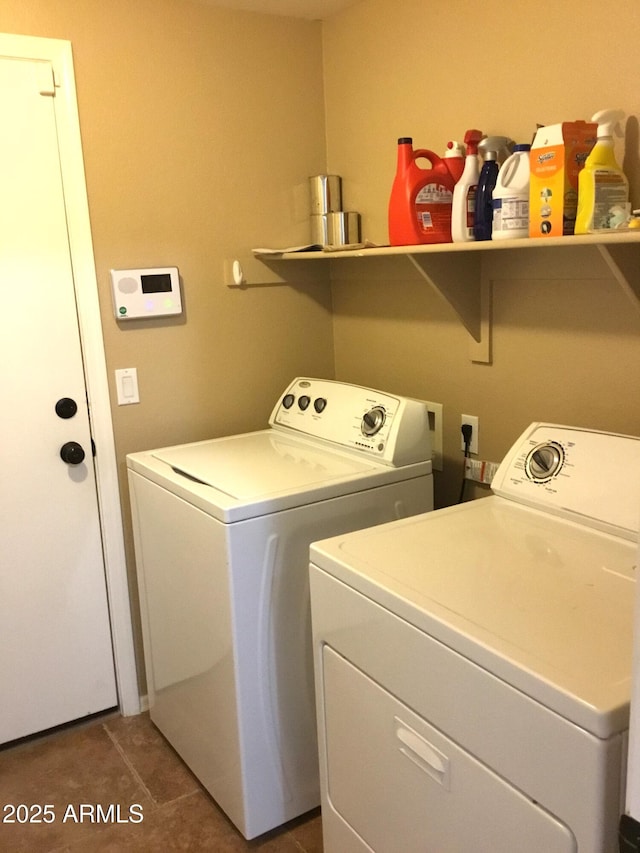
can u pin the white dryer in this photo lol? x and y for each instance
(473, 664)
(222, 531)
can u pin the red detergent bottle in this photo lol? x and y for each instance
(421, 199)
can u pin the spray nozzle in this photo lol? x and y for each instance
(472, 139)
(502, 145)
(609, 123)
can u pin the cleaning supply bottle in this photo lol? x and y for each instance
(603, 189)
(454, 158)
(502, 145)
(464, 192)
(483, 217)
(420, 202)
(511, 197)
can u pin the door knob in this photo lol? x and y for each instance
(72, 453)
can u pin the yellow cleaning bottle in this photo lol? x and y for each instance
(603, 189)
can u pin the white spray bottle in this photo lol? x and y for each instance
(454, 158)
(603, 189)
(464, 192)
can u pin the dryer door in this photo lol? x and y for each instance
(399, 784)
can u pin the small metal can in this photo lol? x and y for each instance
(335, 229)
(325, 193)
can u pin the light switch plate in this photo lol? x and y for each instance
(127, 386)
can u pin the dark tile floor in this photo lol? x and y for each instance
(123, 763)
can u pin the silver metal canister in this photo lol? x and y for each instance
(335, 229)
(326, 194)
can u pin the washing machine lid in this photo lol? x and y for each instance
(543, 603)
(250, 466)
(243, 476)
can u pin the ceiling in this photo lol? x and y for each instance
(313, 10)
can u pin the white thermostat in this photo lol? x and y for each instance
(146, 293)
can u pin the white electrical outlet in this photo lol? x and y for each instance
(473, 421)
(435, 431)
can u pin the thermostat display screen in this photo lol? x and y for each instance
(146, 293)
(156, 283)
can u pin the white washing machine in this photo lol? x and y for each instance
(473, 664)
(222, 531)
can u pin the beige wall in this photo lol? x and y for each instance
(200, 127)
(564, 349)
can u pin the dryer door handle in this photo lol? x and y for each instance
(422, 753)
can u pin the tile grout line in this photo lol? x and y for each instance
(160, 805)
(297, 843)
(130, 766)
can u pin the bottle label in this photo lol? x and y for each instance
(433, 208)
(511, 213)
(611, 199)
(471, 204)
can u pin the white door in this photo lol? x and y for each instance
(56, 660)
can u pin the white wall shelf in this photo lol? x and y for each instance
(462, 273)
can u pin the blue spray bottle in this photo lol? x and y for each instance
(483, 219)
(495, 150)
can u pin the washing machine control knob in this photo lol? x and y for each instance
(544, 461)
(304, 401)
(373, 420)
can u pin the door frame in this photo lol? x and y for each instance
(58, 53)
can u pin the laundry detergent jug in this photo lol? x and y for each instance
(421, 199)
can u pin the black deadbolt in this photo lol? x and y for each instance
(66, 407)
